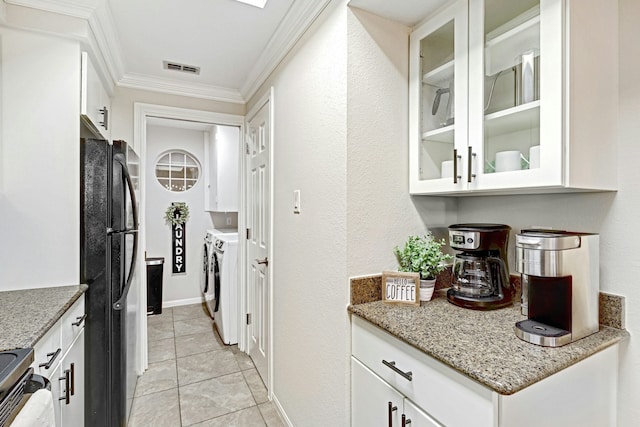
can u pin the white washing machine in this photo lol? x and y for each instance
(223, 279)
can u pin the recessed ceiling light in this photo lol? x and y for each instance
(256, 3)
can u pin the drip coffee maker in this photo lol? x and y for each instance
(480, 276)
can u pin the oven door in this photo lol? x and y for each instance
(28, 403)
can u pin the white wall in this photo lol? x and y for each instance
(40, 163)
(184, 287)
(309, 259)
(124, 98)
(343, 144)
(380, 212)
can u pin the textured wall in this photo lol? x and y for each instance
(380, 212)
(309, 259)
(39, 163)
(124, 98)
(340, 137)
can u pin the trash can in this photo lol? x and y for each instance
(154, 285)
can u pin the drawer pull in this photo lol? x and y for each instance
(407, 375)
(66, 379)
(50, 361)
(405, 420)
(79, 319)
(391, 409)
(73, 379)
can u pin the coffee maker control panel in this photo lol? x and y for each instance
(468, 240)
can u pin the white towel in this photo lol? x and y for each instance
(37, 412)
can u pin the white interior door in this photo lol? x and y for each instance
(258, 223)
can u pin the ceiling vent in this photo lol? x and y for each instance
(181, 67)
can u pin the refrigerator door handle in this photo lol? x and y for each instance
(119, 304)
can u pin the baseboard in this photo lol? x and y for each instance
(280, 409)
(179, 302)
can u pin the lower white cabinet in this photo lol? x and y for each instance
(71, 397)
(391, 379)
(59, 356)
(376, 403)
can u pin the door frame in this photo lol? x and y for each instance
(268, 97)
(141, 112)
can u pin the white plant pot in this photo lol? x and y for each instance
(426, 289)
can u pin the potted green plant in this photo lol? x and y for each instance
(423, 254)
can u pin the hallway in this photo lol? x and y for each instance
(195, 380)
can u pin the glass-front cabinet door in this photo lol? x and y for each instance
(438, 102)
(514, 96)
(515, 93)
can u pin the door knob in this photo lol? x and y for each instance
(264, 261)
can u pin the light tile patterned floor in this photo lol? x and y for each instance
(195, 380)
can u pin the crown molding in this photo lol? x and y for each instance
(77, 9)
(103, 28)
(177, 87)
(296, 22)
(106, 47)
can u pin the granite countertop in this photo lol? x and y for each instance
(26, 315)
(481, 344)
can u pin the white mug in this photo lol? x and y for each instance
(446, 170)
(509, 161)
(534, 157)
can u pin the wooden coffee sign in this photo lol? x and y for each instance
(401, 288)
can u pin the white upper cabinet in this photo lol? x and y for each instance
(438, 101)
(514, 97)
(222, 151)
(95, 103)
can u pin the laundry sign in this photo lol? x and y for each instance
(177, 215)
(179, 248)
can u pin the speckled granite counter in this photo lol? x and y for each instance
(26, 315)
(481, 344)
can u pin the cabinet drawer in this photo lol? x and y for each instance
(48, 352)
(72, 323)
(436, 388)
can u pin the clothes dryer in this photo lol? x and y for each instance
(208, 271)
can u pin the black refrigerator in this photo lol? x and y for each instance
(108, 247)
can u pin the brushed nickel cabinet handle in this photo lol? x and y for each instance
(455, 166)
(470, 174)
(405, 420)
(67, 386)
(53, 357)
(105, 118)
(73, 379)
(392, 365)
(79, 319)
(390, 411)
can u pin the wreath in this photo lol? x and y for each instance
(177, 213)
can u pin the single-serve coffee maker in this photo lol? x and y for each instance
(480, 276)
(560, 286)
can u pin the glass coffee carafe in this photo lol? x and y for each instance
(477, 276)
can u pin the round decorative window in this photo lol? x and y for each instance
(177, 170)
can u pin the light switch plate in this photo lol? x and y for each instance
(296, 201)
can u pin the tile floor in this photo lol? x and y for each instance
(195, 380)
